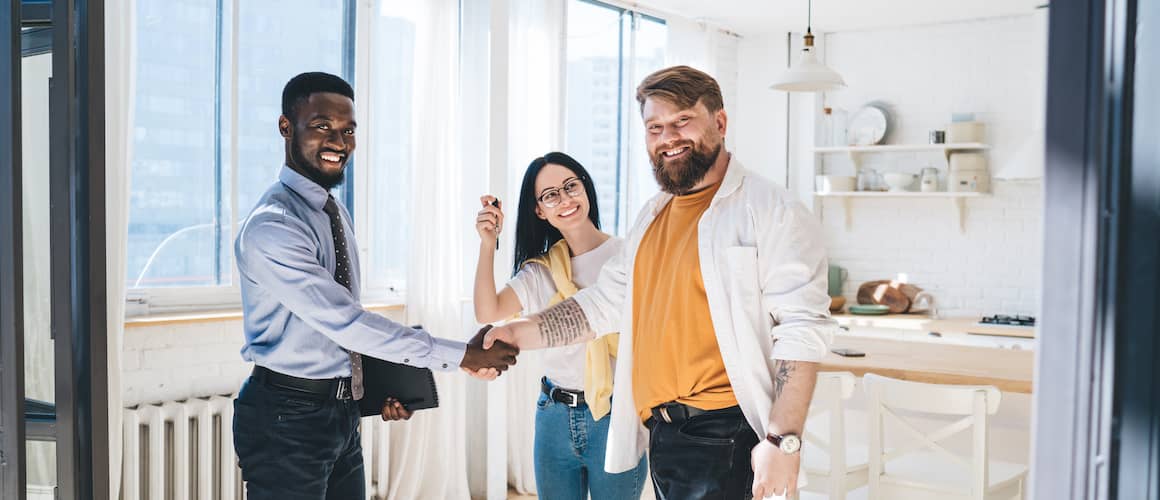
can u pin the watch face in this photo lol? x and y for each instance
(790, 443)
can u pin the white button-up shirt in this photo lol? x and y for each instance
(763, 262)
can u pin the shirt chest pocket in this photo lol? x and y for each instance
(742, 275)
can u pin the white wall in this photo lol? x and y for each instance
(757, 118)
(177, 361)
(994, 68)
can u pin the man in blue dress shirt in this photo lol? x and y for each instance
(296, 417)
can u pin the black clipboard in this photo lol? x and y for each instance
(412, 386)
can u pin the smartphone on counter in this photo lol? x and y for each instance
(848, 353)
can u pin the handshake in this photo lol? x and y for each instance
(487, 362)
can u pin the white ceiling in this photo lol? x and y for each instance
(757, 17)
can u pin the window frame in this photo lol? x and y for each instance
(165, 300)
(626, 92)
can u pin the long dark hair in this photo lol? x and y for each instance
(534, 236)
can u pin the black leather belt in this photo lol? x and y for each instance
(570, 398)
(676, 413)
(337, 388)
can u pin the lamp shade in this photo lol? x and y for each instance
(809, 75)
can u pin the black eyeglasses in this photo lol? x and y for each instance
(551, 198)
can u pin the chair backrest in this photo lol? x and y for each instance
(830, 394)
(888, 396)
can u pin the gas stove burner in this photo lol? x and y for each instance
(1002, 319)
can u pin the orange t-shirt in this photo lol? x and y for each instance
(674, 346)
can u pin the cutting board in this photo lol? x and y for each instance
(882, 292)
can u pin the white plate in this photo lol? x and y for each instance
(868, 125)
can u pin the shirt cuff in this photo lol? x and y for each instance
(445, 354)
(802, 345)
(593, 315)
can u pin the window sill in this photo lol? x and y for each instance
(224, 315)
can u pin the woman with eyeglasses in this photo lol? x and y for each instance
(559, 249)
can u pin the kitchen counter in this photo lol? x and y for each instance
(1011, 370)
(924, 324)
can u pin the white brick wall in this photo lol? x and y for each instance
(993, 266)
(179, 361)
(183, 360)
(993, 68)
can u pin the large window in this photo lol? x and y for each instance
(609, 51)
(388, 151)
(206, 145)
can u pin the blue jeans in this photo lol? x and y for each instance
(296, 445)
(569, 454)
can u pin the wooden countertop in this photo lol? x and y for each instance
(1009, 370)
(924, 323)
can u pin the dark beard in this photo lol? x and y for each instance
(313, 172)
(679, 178)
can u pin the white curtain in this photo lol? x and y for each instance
(120, 81)
(537, 30)
(690, 43)
(709, 49)
(428, 457)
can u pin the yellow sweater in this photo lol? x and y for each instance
(597, 370)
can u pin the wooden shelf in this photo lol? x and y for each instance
(902, 148)
(900, 194)
(956, 199)
(946, 149)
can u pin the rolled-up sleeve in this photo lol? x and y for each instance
(793, 270)
(275, 253)
(603, 302)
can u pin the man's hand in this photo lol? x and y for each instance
(490, 336)
(487, 374)
(483, 362)
(774, 471)
(394, 410)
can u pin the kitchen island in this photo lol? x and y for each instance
(892, 350)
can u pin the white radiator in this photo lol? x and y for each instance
(181, 450)
(184, 450)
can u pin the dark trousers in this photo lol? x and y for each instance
(297, 445)
(703, 457)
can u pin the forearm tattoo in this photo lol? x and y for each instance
(563, 323)
(782, 371)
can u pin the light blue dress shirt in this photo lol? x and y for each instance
(298, 319)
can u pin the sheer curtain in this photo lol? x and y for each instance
(120, 67)
(536, 70)
(428, 453)
(709, 49)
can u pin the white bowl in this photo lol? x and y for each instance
(834, 184)
(899, 182)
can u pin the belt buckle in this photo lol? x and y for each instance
(664, 411)
(343, 391)
(574, 400)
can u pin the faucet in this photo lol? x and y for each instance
(924, 301)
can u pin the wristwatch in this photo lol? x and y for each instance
(788, 443)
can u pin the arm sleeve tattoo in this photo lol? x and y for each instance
(563, 324)
(782, 373)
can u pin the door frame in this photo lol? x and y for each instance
(77, 236)
(1097, 423)
(13, 472)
